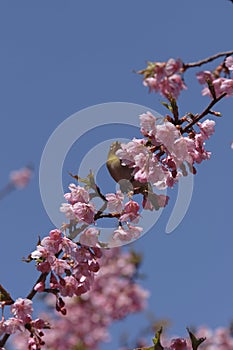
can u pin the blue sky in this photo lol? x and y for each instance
(59, 57)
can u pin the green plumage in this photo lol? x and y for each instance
(122, 174)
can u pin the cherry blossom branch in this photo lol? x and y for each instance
(206, 111)
(167, 78)
(30, 296)
(6, 190)
(33, 292)
(64, 279)
(206, 60)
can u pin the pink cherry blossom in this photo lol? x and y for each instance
(167, 133)
(60, 266)
(165, 77)
(13, 324)
(204, 76)
(68, 210)
(89, 237)
(39, 287)
(129, 150)
(115, 201)
(84, 212)
(145, 164)
(207, 128)
(148, 169)
(229, 62)
(178, 344)
(173, 66)
(220, 84)
(151, 83)
(74, 260)
(123, 234)
(196, 148)
(227, 86)
(22, 309)
(20, 178)
(69, 287)
(130, 212)
(77, 194)
(172, 86)
(180, 153)
(89, 316)
(148, 124)
(2, 326)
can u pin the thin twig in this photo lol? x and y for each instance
(4, 339)
(203, 114)
(109, 215)
(6, 190)
(33, 292)
(206, 60)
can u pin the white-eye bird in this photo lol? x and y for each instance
(122, 174)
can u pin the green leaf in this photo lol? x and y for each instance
(5, 297)
(174, 107)
(169, 107)
(195, 341)
(156, 340)
(153, 199)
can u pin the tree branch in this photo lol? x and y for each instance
(206, 60)
(203, 114)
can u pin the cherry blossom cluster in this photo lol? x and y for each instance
(81, 210)
(70, 266)
(167, 151)
(164, 77)
(160, 157)
(22, 322)
(218, 81)
(69, 269)
(167, 77)
(113, 296)
(79, 207)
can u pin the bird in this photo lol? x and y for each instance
(123, 175)
(116, 169)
